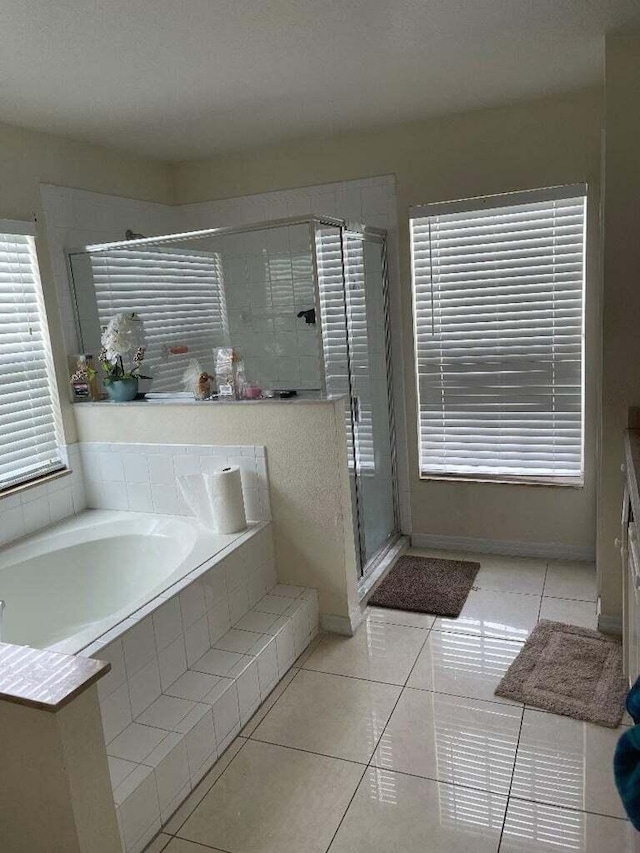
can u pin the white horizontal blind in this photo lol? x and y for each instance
(498, 289)
(29, 414)
(178, 294)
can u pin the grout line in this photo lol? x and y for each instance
(568, 808)
(308, 751)
(513, 769)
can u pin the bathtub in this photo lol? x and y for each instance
(65, 587)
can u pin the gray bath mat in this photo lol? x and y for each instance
(427, 585)
(570, 671)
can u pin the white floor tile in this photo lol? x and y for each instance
(379, 652)
(461, 741)
(395, 812)
(489, 613)
(510, 574)
(539, 828)
(275, 800)
(581, 613)
(463, 665)
(571, 580)
(330, 714)
(399, 617)
(566, 763)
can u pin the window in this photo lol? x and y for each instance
(29, 411)
(178, 294)
(498, 289)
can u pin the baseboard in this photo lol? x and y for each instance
(541, 550)
(610, 624)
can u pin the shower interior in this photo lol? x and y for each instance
(304, 301)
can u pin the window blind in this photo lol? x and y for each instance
(498, 287)
(177, 293)
(28, 402)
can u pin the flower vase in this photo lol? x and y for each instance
(122, 390)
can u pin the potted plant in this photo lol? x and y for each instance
(122, 339)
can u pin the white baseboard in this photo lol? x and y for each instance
(610, 624)
(541, 550)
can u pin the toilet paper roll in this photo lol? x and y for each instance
(224, 488)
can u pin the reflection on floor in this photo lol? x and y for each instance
(393, 740)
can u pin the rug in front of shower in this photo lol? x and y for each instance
(572, 671)
(426, 585)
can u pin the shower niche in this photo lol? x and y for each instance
(303, 302)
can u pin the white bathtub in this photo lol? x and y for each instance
(66, 586)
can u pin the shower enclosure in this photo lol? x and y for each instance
(305, 303)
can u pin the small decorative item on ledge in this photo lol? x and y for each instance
(123, 336)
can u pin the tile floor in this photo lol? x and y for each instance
(393, 740)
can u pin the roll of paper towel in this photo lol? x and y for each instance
(225, 496)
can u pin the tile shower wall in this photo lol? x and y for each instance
(142, 477)
(37, 507)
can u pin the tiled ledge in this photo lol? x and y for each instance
(161, 756)
(45, 680)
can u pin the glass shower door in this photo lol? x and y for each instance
(368, 345)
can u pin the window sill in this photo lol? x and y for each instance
(565, 483)
(40, 480)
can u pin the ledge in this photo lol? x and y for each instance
(45, 680)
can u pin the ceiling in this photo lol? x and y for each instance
(179, 79)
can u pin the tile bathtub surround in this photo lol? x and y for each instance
(142, 477)
(168, 713)
(37, 507)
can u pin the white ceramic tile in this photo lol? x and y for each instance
(379, 651)
(116, 712)
(201, 747)
(540, 828)
(135, 467)
(399, 617)
(285, 648)
(238, 641)
(256, 621)
(267, 668)
(331, 715)
(139, 813)
(165, 499)
(166, 712)
(226, 715)
(391, 811)
(167, 623)
(461, 741)
(218, 662)
(571, 580)
(130, 783)
(119, 769)
(171, 768)
(219, 620)
(566, 763)
(160, 469)
(287, 590)
(114, 654)
(196, 640)
(288, 800)
(136, 742)
(581, 613)
(248, 692)
(463, 665)
(172, 663)
(491, 613)
(193, 685)
(139, 497)
(144, 687)
(139, 646)
(238, 603)
(192, 603)
(272, 604)
(36, 514)
(510, 574)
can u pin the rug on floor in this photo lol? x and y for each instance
(571, 671)
(426, 585)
